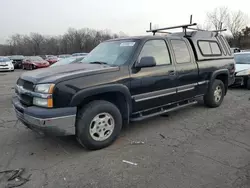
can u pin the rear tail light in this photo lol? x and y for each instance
(232, 69)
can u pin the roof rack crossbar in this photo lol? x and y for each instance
(196, 29)
(219, 30)
(164, 32)
(173, 27)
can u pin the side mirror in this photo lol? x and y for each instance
(147, 61)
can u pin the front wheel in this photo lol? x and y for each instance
(248, 83)
(215, 94)
(98, 124)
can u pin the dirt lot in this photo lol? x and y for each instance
(195, 147)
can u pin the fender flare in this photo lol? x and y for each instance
(83, 94)
(218, 72)
(215, 74)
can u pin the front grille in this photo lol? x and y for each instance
(26, 84)
(17, 61)
(24, 98)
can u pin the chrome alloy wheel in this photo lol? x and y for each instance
(217, 94)
(102, 126)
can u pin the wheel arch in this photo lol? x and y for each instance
(117, 94)
(222, 75)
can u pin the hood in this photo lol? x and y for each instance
(64, 72)
(6, 63)
(241, 67)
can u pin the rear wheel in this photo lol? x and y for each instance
(98, 124)
(215, 94)
(248, 83)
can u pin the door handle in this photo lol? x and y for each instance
(171, 73)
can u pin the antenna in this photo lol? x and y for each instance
(191, 19)
(220, 28)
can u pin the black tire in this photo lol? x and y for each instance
(248, 84)
(85, 117)
(31, 67)
(210, 99)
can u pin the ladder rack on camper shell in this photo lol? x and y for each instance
(184, 27)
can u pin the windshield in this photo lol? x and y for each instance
(52, 57)
(64, 61)
(64, 56)
(4, 59)
(78, 59)
(79, 54)
(243, 58)
(36, 58)
(17, 57)
(111, 53)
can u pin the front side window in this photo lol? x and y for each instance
(181, 51)
(157, 49)
(242, 58)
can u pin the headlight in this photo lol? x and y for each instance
(44, 88)
(9, 63)
(43, 95)
(243, 73)
(43, 102)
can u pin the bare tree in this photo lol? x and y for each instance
(82, 40)
(218, 17)
(204, 26)
(37, 40)
(236, 22)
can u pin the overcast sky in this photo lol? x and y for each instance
(53, 17)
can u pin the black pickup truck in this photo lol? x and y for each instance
(123, 80)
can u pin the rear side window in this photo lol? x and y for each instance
(181, 51)
(215, 48)
(226, 44)
(209, 48)
(205, 48)
(223, 46)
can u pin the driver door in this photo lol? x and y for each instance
(153, 86)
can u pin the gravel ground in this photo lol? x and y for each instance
(195, 147)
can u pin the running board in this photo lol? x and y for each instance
(163, 111)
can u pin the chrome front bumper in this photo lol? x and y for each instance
(58, 122)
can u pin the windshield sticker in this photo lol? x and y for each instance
(127, 44)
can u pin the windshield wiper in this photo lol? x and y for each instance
(98, 62)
